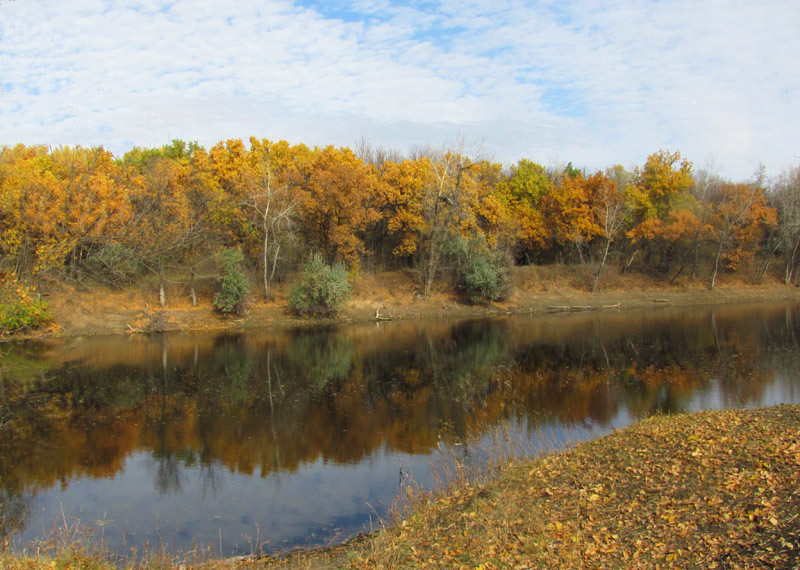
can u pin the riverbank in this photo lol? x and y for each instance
(709, 490)
(392, 296)
(705, 490)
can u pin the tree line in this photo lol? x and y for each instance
(78, 213)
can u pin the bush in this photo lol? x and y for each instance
(323, 289)
(484, 276)
(20, 309)
(115, 263)
(234, 288)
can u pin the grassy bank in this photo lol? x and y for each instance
(706, 490)
(392, 295)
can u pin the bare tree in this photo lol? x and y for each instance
(611, 209)
(707, 183)
(373, 155)
(786, 198)
(275, 206)
(444, 204)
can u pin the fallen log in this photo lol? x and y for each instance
(570, 308)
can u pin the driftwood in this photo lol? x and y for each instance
(579, 308)
(378, 317)
(570, 308)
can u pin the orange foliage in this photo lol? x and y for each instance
(337, 208)
(398, 199)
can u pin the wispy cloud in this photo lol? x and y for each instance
(592, 82)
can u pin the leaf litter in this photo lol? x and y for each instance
(703, 490)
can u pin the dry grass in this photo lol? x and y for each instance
(709, 490)
(98, 310)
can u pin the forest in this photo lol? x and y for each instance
(181, 212)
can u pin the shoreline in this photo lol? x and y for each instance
(704, 489)
(709, 469)
(471, 497)
(101, 312)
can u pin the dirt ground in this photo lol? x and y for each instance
(388, 295)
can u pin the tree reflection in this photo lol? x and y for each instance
(168, 474)
(269, 402)
(15, 508)
(320, 357)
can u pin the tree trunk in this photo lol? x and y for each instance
(191, 287)
(266, 261)
(696, 249)
(627, 265)
(275, 261)
(716, 266)
(790, 273)
(430, 265)
(429, 273)
(602, 264)
(73, 264)
(762, 271)
(764, 267)
(791, 263)
(674, 277)
(162, 297)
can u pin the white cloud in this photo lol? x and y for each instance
(592, 82)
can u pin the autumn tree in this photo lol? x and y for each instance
(707, 184)
(786, 199)
(337, 208)
(57, 206)
(662, 208)
(570, 216)
(398, 200)
(228, 160)
(72, 211)
(163, 228)
(93, 203)
(741, 213)
(522, 196)
(662, 184)
(498, 223)
(610, 207)
(25, 173)
(447, 208)
(171, 191)
(272, 190)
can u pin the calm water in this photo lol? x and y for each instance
(268, 440)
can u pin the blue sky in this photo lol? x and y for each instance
(591, 82)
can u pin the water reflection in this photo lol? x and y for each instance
(300, 437)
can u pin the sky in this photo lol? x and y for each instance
(594, 82)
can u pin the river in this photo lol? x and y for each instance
(267, 440)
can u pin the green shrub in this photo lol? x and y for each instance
(20, 309)
(323, 289)
(234, 287)
(115, 263)
(484, 276)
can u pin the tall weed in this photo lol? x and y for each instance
(21, 310)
